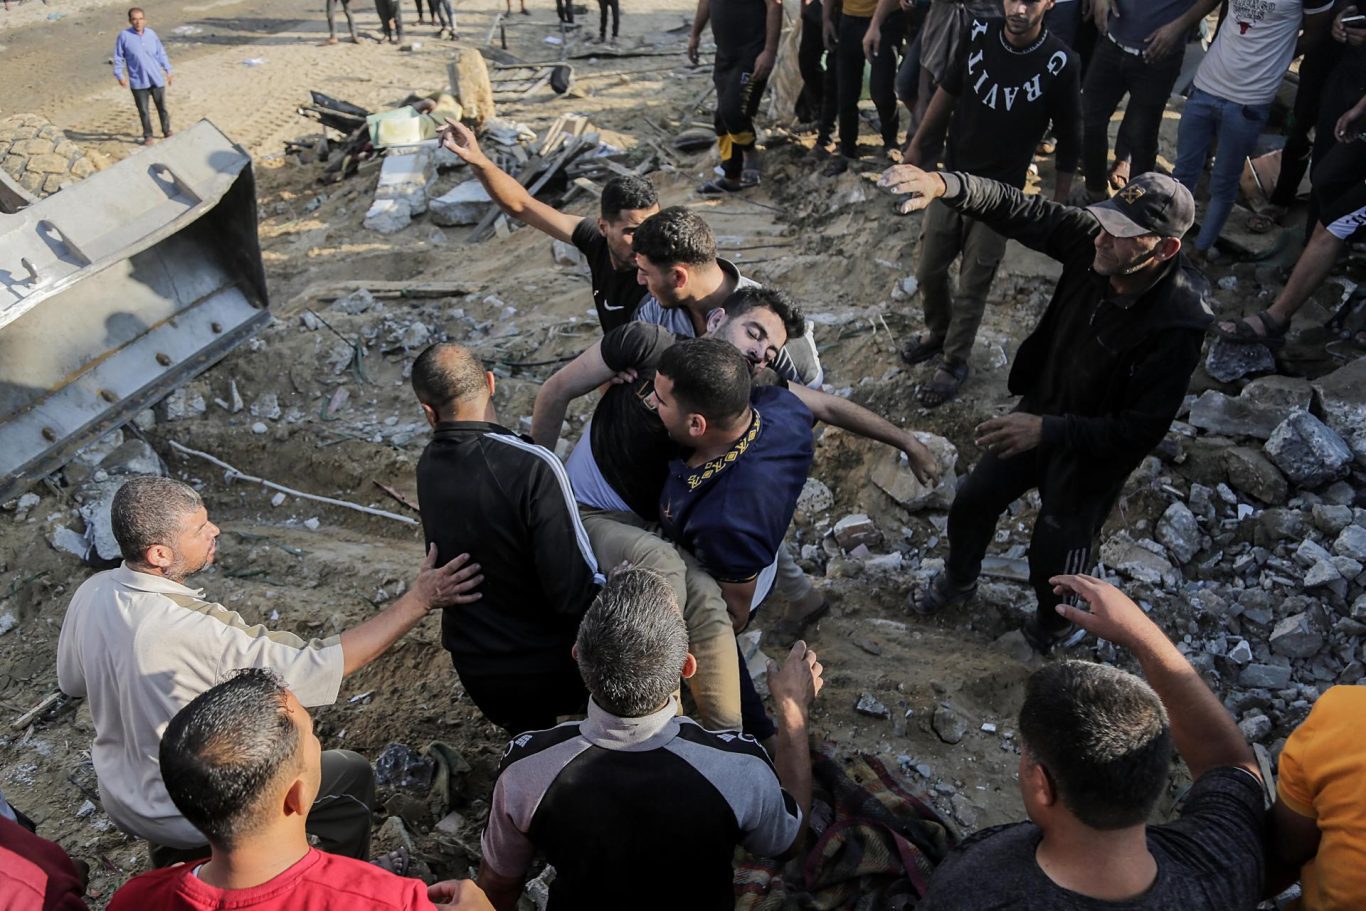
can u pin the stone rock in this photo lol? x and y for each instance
(892, 475)
(1343, 396)
(450, 824)
(415, 335)
(869, 705)
(1310, 552)
(851, 531)
(1266, 676)
(1294, 637)
(259, 427)
(1241, 653)
(814, 499)
(355, 303)
(465, 204)
(1324, 572)
(948, 724)
(1228, 361)
(884, 563)
(1255, 728)
(388, 216)
(400, 766)
(1331, 519)
(1359, 609)
(1309, 452)
(1351, 543)
(133, 458)
(1255, 411)
(180, 405)
(406, 178)
(97, 498)
(267, 406)
(1251, 472)
(565, 254)
(1124, 554)
(68, 541)
(1179, 532)
(471, 87)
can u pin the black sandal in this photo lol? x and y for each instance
(936, 392)
(1243, 332)
(921, 349)
(941, 592)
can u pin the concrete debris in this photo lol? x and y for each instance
(1309, 452)
(277, 500)
(1294, 637)
(1241, 653)
(1179, 532)
(267, 406)
(1256, 411)
(1265, 676)
(465, 204)
(566, 254)
(235, 403)
(892, 475)
(1252, 473)
(355, 303)
(1228, 361)
(869, 705)
(180, 405)
(1255, 728)
(883, 563)
(1342, 394)
(1141, 560)
(948, 724)
(815, 499)
(259, 427)
(1351, 543)
(851, 531)
(1323, 572)
(388, 216)
(71, 542)
(312, 524)
(405, 178)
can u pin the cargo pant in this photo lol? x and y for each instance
(954, 317)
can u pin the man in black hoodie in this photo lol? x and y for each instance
(1100, 378)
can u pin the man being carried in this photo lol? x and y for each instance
(604, 241)
(746, 33)
(1101, 376)
(606, 800)
(1096, 747)
(138, 644)
(1010, 79)
(242, 763)
(481, 486)
(620, 464)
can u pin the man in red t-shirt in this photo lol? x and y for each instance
(242, 764)
(35, 874)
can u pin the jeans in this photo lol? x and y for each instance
(1236, 127)
(157, 95)
(1112, 73)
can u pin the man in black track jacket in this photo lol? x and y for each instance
(1100, 378)
(509, 501)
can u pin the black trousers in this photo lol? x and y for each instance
(340, 816)
(388, 9)
(818, 77)
(156, 94)
(603, 7)
(1064, 532)
(526, 702)
(564, 9)
(1113, 73)
(738, 95)
(849, 62)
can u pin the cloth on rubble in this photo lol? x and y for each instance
(875, 842)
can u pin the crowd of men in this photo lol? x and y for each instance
(598, 587)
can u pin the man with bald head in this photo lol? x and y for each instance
(509, 501)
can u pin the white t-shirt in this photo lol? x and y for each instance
(139, 648)
(1253, 49)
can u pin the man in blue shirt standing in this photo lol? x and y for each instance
(140, 62)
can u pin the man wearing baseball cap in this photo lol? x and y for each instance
(1100, 378)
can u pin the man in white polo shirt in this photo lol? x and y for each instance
(138, 644)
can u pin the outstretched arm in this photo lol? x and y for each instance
(504, 189)
(579, 377)
(853, 417)
(1202, 730)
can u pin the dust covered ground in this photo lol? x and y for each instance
(331, 426)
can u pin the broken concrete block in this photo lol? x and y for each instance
(1265, 676)
(814, 499)
(892, 475)
(1228, 361)
(1343, 395)
(1255, 728)
(1241, 653)
(1309, 452)
(465, 204)
(1324, 572)
(64, 539)
(1295, 638)
(131, 459)
(1142, 564)
(869, 705)
(1256, 411)
(406, 178)
(471, 87)
(1351, 543)
(1252, 473)
(565, 254)
(851, 531)
(388, 216)
(1179, 532)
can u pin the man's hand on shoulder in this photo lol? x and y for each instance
(459, 139)
(923, 187)
(1113, 616)
(794, 686)
(452, 584)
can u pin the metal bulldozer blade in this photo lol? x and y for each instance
(119, 288)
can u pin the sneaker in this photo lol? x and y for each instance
(1044, 641)
(941, 592)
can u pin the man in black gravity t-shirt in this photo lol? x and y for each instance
(1009, 80)
(605, 241)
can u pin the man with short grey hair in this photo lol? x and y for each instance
(609, 799)
(138, 644)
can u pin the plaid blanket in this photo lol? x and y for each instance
(876, 846)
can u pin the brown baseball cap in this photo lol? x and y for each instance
(1151, 203)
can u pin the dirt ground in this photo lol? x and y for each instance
(834, 245)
